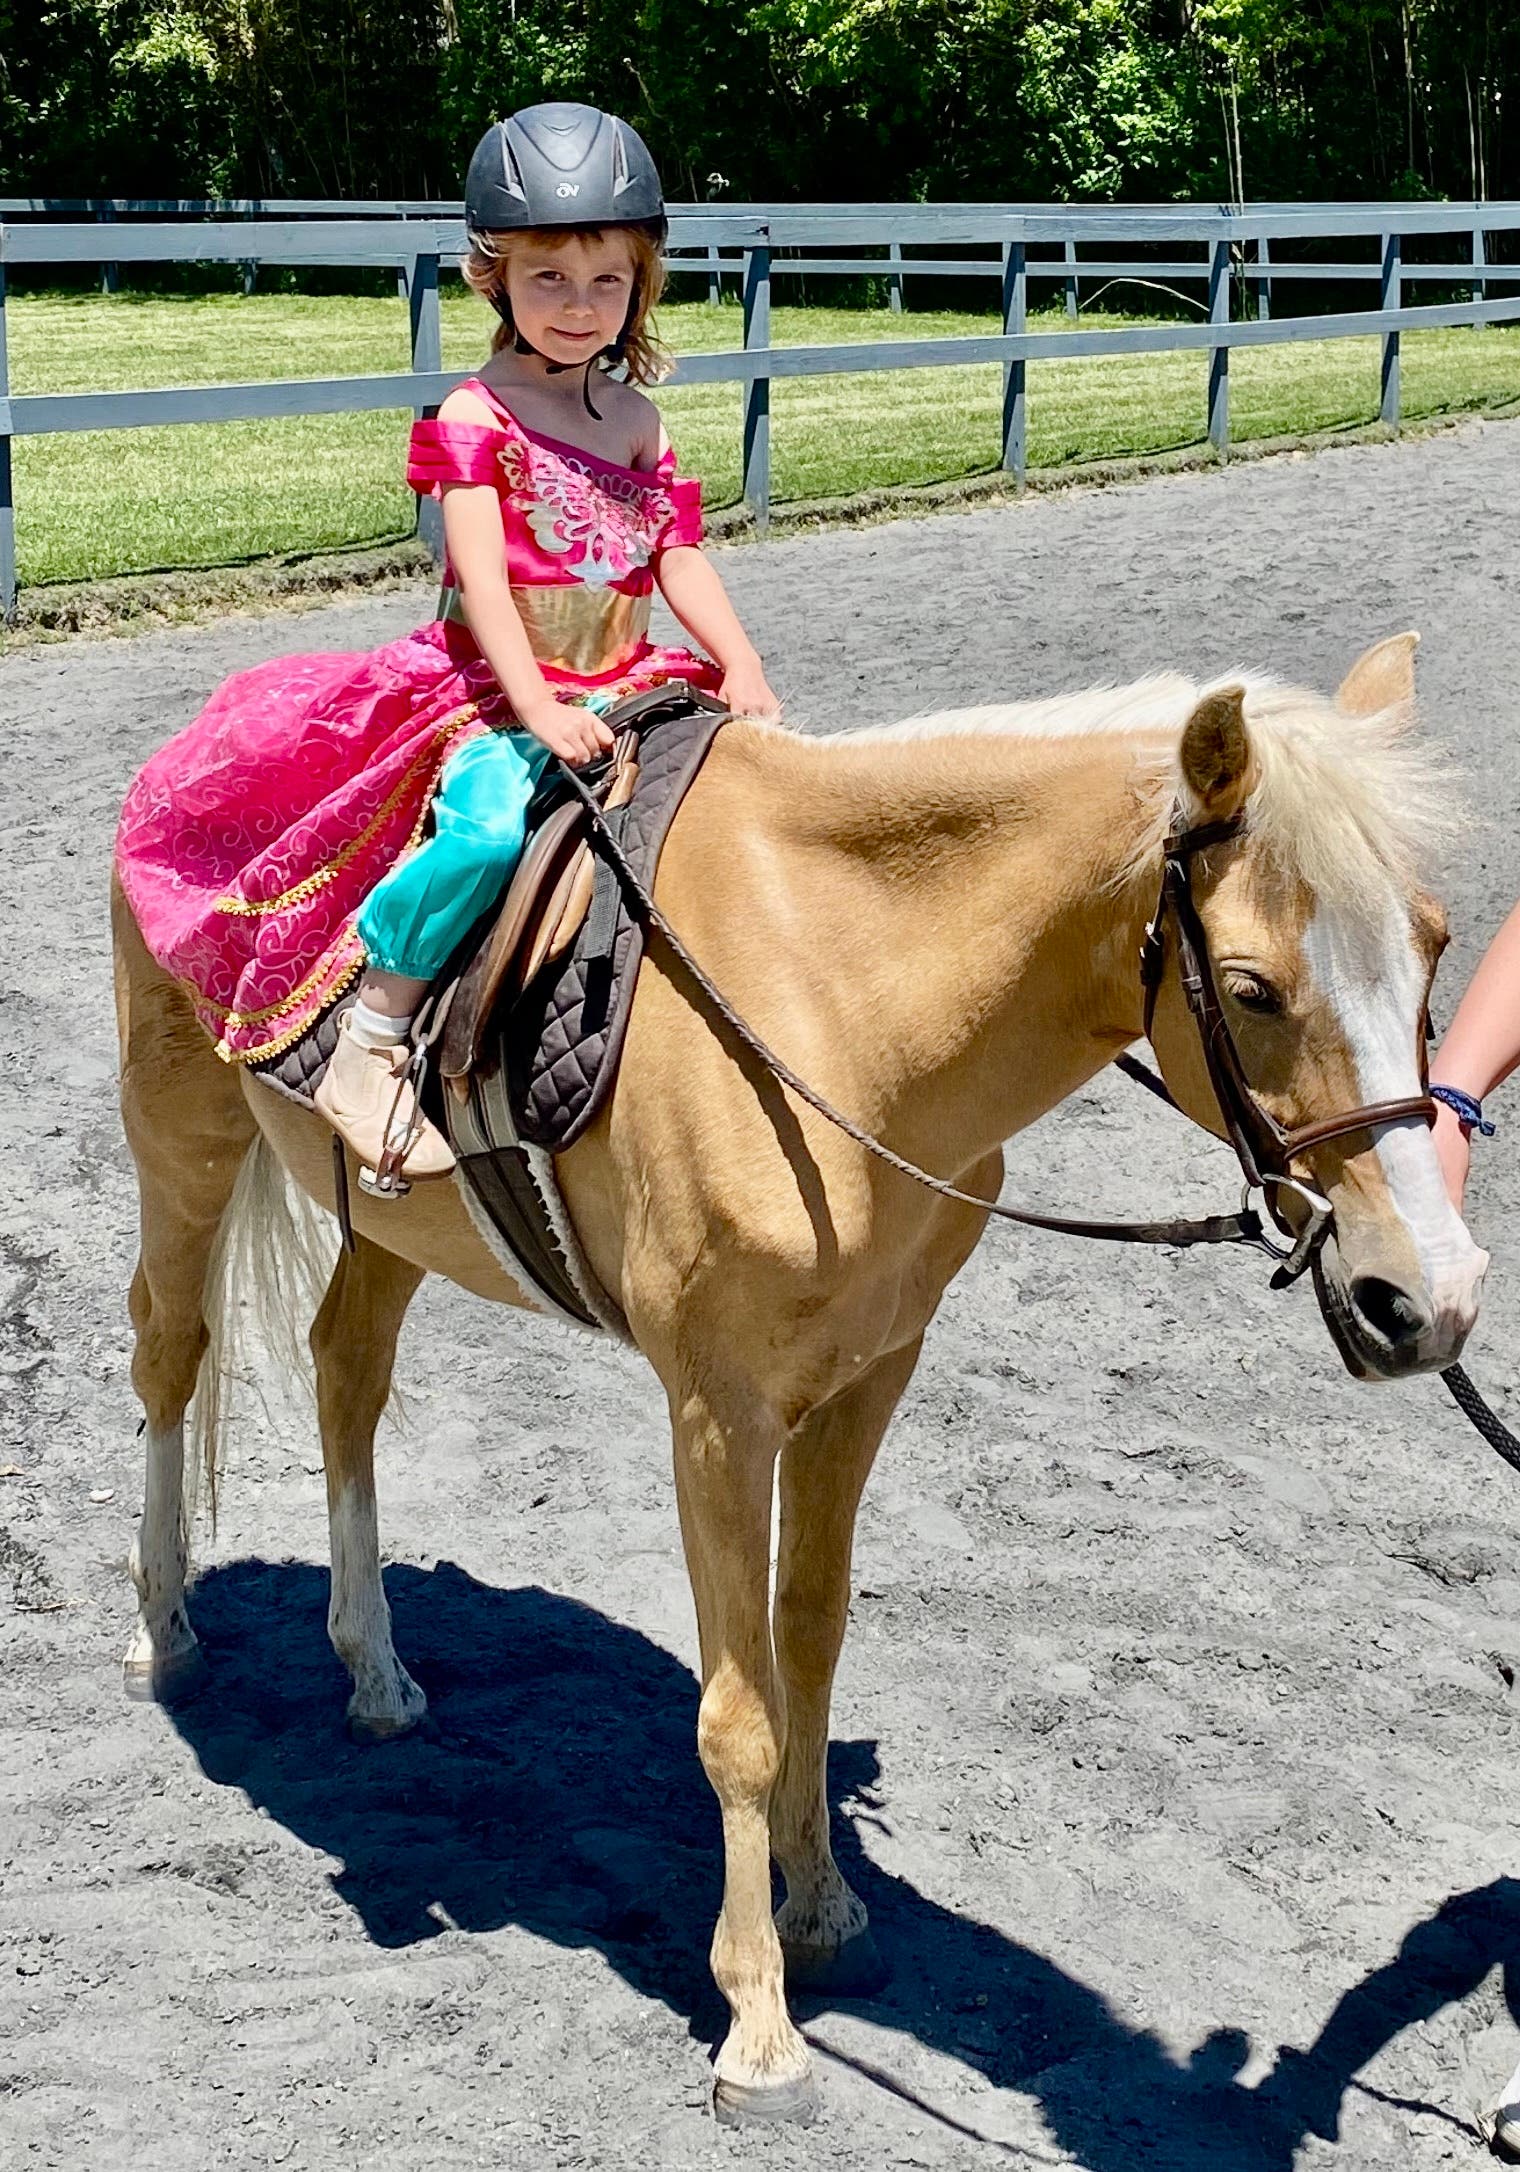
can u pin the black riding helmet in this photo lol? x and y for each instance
(562, 165)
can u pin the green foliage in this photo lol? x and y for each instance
(811, 99)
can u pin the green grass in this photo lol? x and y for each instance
(133, 501)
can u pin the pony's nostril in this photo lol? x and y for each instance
(1390, 1312)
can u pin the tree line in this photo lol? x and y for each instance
(827, 100)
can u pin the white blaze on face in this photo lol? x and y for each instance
(1375, 988)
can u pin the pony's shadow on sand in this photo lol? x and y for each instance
(559, 1789)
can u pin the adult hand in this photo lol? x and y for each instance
(575, 734)
(745, 691)
(1453, 1151)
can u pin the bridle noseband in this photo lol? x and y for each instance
(1263, 1147)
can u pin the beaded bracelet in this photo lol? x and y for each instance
(1468, 1110)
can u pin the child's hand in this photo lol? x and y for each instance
(745, 691)
(576, 735)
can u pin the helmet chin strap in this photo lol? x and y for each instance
(520, 345)
(561, 369)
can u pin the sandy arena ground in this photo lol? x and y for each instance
(1177, 1737)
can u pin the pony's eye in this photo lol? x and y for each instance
(1251, 992)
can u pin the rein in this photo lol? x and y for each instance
(1262, 1147)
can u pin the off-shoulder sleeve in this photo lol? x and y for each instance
(453, 452)
(685, 494)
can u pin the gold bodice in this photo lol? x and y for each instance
(587, 631)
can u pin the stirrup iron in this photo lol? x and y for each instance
(387, 1180)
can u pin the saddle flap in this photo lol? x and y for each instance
(549, 849)
(546, 902)
(552, 1052)
(560, 921)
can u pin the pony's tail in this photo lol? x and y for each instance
(271, 1263)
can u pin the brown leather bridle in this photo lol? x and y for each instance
(1263, 1147)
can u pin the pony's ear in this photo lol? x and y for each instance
(1382, 679)
(1218, 767)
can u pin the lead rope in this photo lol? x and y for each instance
(1478, 1413)
(1242, 1228)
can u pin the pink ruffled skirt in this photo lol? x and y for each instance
(248, 844)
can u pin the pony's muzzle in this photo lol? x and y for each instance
(1388, 1326)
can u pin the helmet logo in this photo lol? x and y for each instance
(568, 188)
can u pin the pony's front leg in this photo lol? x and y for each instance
(353, 1340)
(725, 1464)
(822, 1923)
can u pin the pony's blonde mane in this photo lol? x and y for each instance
(1342, 803)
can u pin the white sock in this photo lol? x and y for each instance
(375, 1029)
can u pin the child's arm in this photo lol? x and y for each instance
(472, 530)
(690, 584)
(1481, 1047)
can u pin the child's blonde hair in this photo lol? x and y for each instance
(643, 355)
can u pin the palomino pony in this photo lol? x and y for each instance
(937, 925)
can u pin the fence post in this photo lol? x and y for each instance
(757, 390)
(894, 279)
(110, 274)
(7, 494)
(714, 274)
(1015, 320)
(1392, 297)
(421, 277)
(1219, 357)
(1264, 278)
(1070, 254)
(1480, 263)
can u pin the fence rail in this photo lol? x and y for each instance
(1238, 247)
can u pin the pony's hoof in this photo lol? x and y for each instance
(369, 1731)
(169, 1680)
(1504, 2135)
(738, 2104)
(855, 1970)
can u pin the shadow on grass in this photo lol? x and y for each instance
(388, 539)
(560, 1790)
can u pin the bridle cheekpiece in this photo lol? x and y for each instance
(1264, 1148)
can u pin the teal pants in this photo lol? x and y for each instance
(418, 914)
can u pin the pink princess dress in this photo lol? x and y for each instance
(249, 846)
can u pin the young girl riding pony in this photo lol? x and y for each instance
(275, 850)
